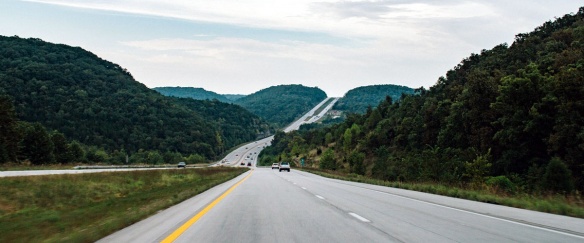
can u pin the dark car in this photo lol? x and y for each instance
(248, 163)
(242, 163)
(182, 165)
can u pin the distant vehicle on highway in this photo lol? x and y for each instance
(248, 163)
(242, 163)
(275, 166)
(182, 165)
(284, 166)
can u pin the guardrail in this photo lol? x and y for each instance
(88, 167)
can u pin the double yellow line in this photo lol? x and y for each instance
(172, 237)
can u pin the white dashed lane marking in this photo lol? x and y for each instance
(359, 217)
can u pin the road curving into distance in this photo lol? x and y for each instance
(264, 205)
(249, 152)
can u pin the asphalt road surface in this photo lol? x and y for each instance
(272, 206)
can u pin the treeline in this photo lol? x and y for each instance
(509, 118)
(282, 104)
(358, 99)
(98, 103)
(193, 93)
(22, 141)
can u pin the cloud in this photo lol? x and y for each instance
(338, 44)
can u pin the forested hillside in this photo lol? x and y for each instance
(99, 103)
(283, 103)
(358, 99)
(233, 97)
(510, 118)
(190, 92)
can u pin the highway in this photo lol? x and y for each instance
(264, 205)
(248, 153)
(272, 206)
(235, 158)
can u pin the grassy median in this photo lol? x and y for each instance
(87, 207)
(569, 205)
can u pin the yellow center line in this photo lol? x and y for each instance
(172, 237)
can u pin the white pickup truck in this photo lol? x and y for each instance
(284, 166)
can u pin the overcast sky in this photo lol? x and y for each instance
(242, 46)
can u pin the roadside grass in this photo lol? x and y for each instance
(88, 207)
(568, 205)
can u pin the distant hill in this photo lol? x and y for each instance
(282, 104)
(357, 100)
(99, 103)
(190, 92)
(233, 97)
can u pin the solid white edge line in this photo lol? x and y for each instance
(319, 197)
(480, 214)
(359, 217)
(470, 212)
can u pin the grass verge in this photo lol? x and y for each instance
(572, 205)
(88, 207)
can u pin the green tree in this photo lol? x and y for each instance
(297, 146)
(77, 152)
(558, 177)
(356, 162)
(61, 149)
(373, 119)
(140, 157)
(327, 160)
(96, 155)
(195, 159)
(328, 138)
(381, 165)
(347, 140)
(477, 170)
(36, 145)
(172, 157)
(521, 135)
(154, 158)
(9, 135)
(118, 157)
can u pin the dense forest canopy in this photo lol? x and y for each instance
(358, 99)
(99, 103)
(511, 117)
(283, 103)
(193, 93)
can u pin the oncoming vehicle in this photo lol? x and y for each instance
(275, 166)
(284, 166)
(182, 165)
